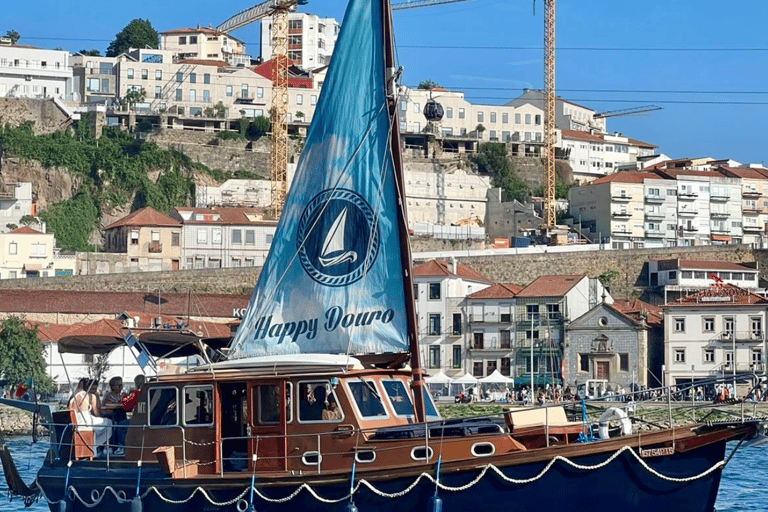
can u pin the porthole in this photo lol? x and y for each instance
(365, 456)
(421, 453)
(483, 449)
(311, 458)
(602, 321)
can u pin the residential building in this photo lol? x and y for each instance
(490, 328)
(311, 39)
(15, 202)
(234, 192)
(28, 72)
(505, 218)
(205, 44)
(150, 240)
(568, 115)
(660, 212)
(224, 237)
(604, 343)
(94, 79)
(445, 198)
(542, 311)
(651, 317)
(715, 332)
(593, 155)
(440, 288)
(675, 278)
(754, 202)
(27, 252)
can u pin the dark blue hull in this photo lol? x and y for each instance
(625, 484)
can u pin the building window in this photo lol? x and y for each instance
(259, 92)
(584, 362)
(175, 239)
(679, 324)
(505, 337)
(158, 74)
(517, 118)
(417, 108)
(532, 312)
(478, 340)
(679, 355)
(250, 238)
(709, 324)
(179, 95)
(434, 291)
(527, 118)
(461, 113)
(434, 356)
(206, 78)
(553, 311)
(134, 237)
(179, 77)
(709, 355)
(129, 73)
(479, 117)
(456, 356)
(144, 74)
(449, 112)
(202, 236)
(756, 327)
(624, 362)
(757, 358)
(477, 369)
(158, 92)
(728, 324)
(13, 248)
(490, 366)
(299, 99)
(434, 324)
(456, 324)
(506, 366)
(182, 39)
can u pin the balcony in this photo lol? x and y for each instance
(751, 210)
(621, 198)
(654, 233)
(750, 194)
(753, 336)
(689, 229)
(155, 247)
(751, 228)
(687, 195)
(621, 215)
(687, 211)
(653, 198)
(719, 198)
(655, 216)
(719, 215)
(720, 231)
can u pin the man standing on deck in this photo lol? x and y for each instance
(129, 401)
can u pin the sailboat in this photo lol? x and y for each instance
(319, 402)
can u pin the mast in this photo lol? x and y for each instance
(417, 383)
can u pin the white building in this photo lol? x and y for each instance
(311, 39)
(678, 277)
(223, 237)
(716, 332)
(592, 155)
(28, 253)
(15, 203)
(439, 290)
(28, 72)
(206, 44)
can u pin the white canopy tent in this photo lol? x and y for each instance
(463, 383)
(496, 385)
(439, 383)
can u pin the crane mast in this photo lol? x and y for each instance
(549, 112)
(279, 153)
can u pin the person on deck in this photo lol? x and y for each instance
(129, 401)
(85, 404)
(112, 407)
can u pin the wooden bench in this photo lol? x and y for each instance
(76, 440)
(532, 426)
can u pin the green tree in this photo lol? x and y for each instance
(137, 34)
(261, 126)
(22, 355)
(13, 36)
(479, 129)
(90, 53)
(11, 226)
(72, 221)
(28, 220)
(134, 96)
(491, 158)
(427, 85)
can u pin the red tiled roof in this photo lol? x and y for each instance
(712, 265)
(437, 268)
(48, 333)
(551, 286)
(714, 297)
(641, 144)
(227, 216)
(114, 303)
(497, 291)
(209, 329)
(146, 217)
(636, 309)
(103, 327)
(600, 137)
(674, 173)
(744, 172)
(26, 230)
(625, 177)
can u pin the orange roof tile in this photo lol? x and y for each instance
(636, 308)
(103, 327)
(497, 291)
(26, 230)
(551, 286)
(625, 177)
(50, 333)
(437, 268)
(745, 172)
(146, 217)
(713, 265)
(206, 62)
(226, 216)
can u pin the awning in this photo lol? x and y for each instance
(32, 267)
(720, 238)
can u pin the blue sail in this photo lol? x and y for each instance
(333, 280)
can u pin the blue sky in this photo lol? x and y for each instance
(715, 53)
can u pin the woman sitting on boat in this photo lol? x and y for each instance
(85, 403)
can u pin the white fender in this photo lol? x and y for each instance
(608, 415)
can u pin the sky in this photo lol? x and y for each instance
(705, 62)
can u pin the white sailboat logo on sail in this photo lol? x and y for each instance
(333, 252)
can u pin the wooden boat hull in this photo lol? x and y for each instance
(602, 476)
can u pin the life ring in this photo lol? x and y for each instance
(614, 413)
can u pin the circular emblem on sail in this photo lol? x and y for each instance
(337, 239)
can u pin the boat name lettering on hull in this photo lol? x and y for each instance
(658, 452)
(335, 317)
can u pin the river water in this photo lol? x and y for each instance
(742, 489)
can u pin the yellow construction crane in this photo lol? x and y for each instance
(278, 9)
(549, 113)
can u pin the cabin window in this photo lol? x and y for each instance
(198, 405)
(318, 402)
(267, 399)
(398, 397)
(367, 399)
(162, 406)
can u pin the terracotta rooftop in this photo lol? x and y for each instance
(146, 217)
(625, 177)
(636, 309)
(497, 291)
(745, 172)
(48, 333)
(226, 216)
(207, 62)
(438, 268)
(103, 327)
(551, 286)
(26, 230)
(600, 137)
(719, 296)
(713, 265)
(114, 303)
